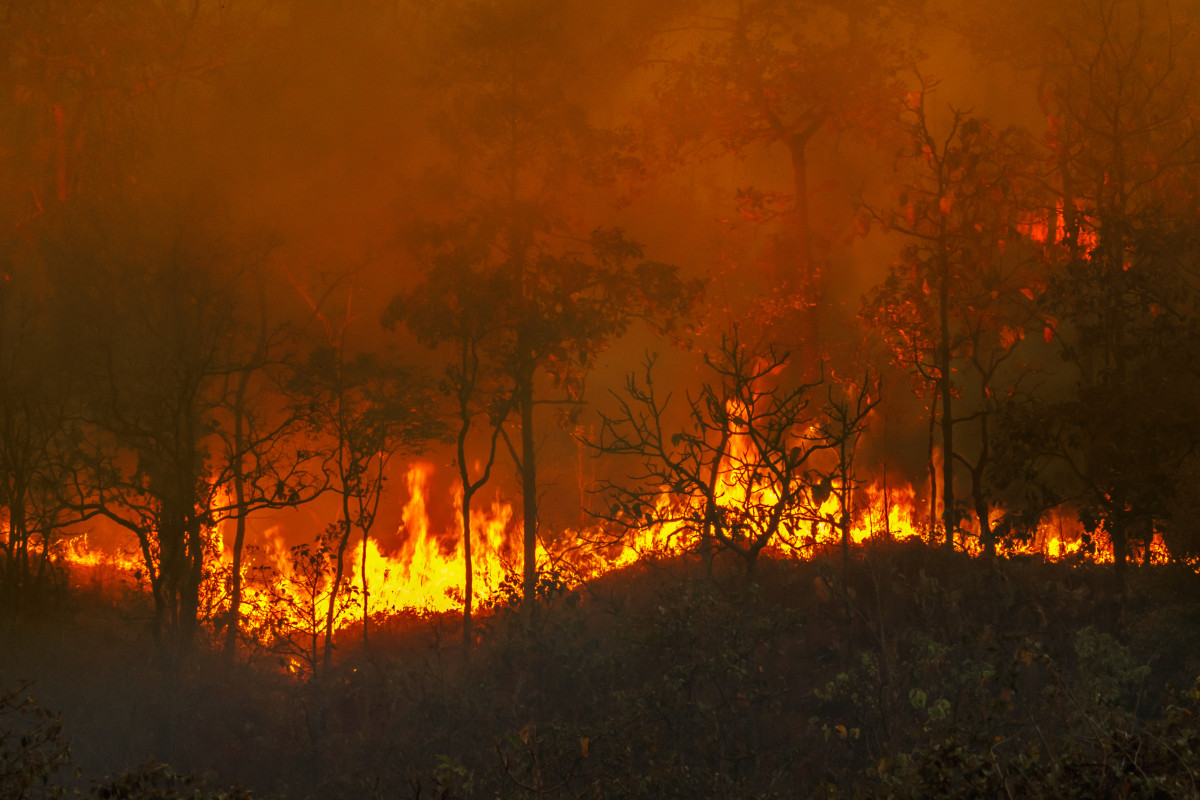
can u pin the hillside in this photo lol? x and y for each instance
(918, 674)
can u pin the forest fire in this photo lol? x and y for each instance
(286, 591)
(1051, 227)
(426, 573)
(560, 399)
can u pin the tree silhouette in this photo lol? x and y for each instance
(38, 456)
(157, 309)
(764, 72)
(561, 291)
(264, 459)
(457, 305)
(363, 407)
(1120, 106)
(737, 475)
(960, 294)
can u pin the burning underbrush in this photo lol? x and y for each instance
(286, 588)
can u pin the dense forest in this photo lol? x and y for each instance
(540, 398)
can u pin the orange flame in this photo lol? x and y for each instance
(1036, 226)
(425, 573)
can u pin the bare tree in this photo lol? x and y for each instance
(363, 407)
(752, 74)
(843, 421)
(736, 474)
(158, 308)
(37, 447)
(264, 461)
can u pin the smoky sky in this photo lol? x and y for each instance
(314, 135)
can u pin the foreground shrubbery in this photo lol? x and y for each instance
(35, 759)
(914, 674)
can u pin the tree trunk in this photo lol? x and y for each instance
(933, 479)
(339, 570)
(798, 149)
(811, 284)
(344, 533)
(239, 498)
(235, 590)
(528, 489)
(154, 575)
(189, 597)
(986, 537)
(707, 538)
(707, 548)
(751, 558)
(468, 632)
(949, 515)
(468, 492)
(171, 539)
(1117, 525)
(844, 503)
(18, 536)
(365, 588)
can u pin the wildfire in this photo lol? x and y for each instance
(286, 589)
(427, 572)
(1050, 227)
(102, 564)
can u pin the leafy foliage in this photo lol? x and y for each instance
(154, 781)
(910, 673)
(33, 749)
